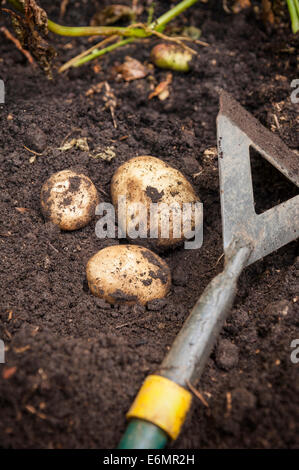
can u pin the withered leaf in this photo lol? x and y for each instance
(131, 69)
(162, 89)
(35, 15)
(111, 15)
(29, 30)
(105, 154)
(80, 144)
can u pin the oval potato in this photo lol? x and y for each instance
(128, 274)
(69, 199)
(172, 57)
(148, 180)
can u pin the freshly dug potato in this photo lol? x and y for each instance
(69, 199)
(128, 274)
(149, 180)
(171, 57)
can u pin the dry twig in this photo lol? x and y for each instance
(63, 8)
(72, 61)
(110, 102)
(197, 394)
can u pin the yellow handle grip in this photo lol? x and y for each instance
(163, 403)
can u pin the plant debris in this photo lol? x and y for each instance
(131, 69)
(267, 13)
(162, 90)
(107, 154)
(22, 210)
(110, 102)
(198, 394)
(112, 14)
(240, 5)
(80, 144)
(109, 97)
(8, 372)
(63, 7)
(95, 89)
(30, 30)
(191, 32)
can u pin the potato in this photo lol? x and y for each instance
(172, 57)
(69, 199)
(149, 180)
(127, 274)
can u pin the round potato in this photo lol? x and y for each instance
(69, 199)
(127, 274)
(150, 181)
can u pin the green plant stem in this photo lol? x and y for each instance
(157, 25)
(293, 6)
(95, 30)
(151, 11)
(88, 30)
(161, 22)
(105, 50)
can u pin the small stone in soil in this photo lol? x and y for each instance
(156, 304)
(242, 399)
(138, 309)
(227, 354)
(36, 139)
(16, 159)
(249, 336)
(101, 303)
(239, 318)
(114, 313)
(180, 276)
(124, 309)
(190, 165)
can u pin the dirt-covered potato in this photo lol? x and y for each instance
(148, 180)
(128, 274)
(69, 199)
(172, 57)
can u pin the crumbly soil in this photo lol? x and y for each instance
(73, 363)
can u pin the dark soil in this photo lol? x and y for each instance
(74, 364)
